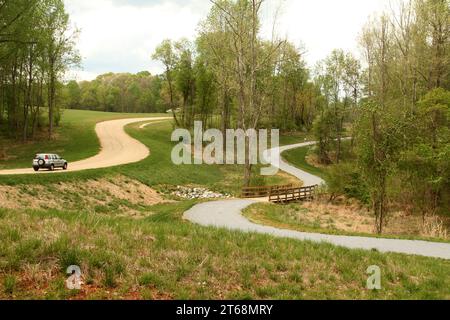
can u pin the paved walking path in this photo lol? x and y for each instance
(228, 214)
(274, 157)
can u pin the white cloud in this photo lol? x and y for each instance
(80, 75)
(324, 25)
(120, 35)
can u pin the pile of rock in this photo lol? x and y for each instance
(197, 193)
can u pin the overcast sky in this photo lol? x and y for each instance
(120, 35)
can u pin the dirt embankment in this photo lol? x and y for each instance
(116, 194)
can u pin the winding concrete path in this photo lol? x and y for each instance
(273, 156)
(117, 148)
(227, 214)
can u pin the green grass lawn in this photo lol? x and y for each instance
(288, 138)
(297, 157)
(75, 139)
(157, 170)
(164, 257)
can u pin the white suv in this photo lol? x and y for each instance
(49, 161)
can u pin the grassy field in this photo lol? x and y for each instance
(297, 157)
(157, 170)
(163, 257)
(75, 139)
(129, 248)
(288, 138)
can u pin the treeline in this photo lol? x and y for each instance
(36, 48)
(123, 92)
(209, 81)
(231, 77)
(396, 109)
(228, 77)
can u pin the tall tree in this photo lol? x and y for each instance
(251, 55)
(165, 53)
(59, 50)
(185, 80)
(36, 47)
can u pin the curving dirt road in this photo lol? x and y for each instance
(145, 125)
(117, 148)
(227, 214)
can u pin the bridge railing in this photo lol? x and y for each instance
(264, 191)
(293, 194)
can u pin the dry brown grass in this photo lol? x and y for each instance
(348, 216)
(87, 195)
(436, 227)
(351, 217)
(289, 179)
(313, 160)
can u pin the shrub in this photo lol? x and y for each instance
(345, 179)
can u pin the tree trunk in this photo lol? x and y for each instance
(28, 101)
(225, 117)
(51, 99)
(172, 104)
(248, 165)
(380, 206)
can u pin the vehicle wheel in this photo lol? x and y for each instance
(36, 169)
(41, 163)
(52, 167)
(65, 166)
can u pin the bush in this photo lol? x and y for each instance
(345, 179)
(323, 129)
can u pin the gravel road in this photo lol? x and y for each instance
(117, 148)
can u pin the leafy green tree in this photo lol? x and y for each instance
(122, 92)
(73, 95)
(205, 91)
(59, 51)
(425, 159)
(379, 137)
(185, 80)
(36, 48)
(339, 77)
(325, 134)
(165, 53)
(345, 179)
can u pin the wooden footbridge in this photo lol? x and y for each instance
(281, 194)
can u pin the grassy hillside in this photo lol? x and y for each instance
(77, 138)
(297, 157)
(132, 249)
(163, 257)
